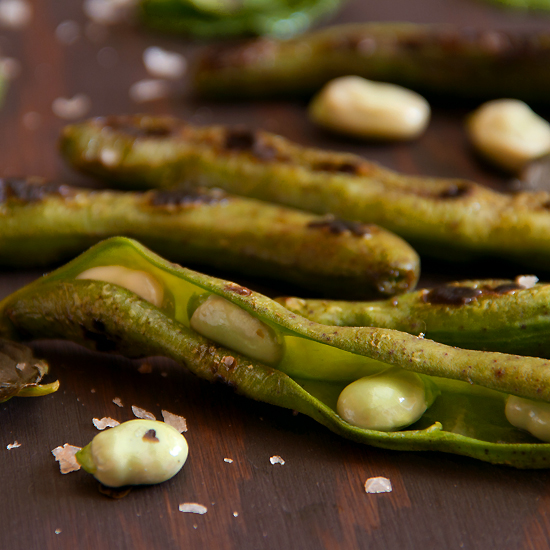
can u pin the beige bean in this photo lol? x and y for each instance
(358, 107)
(233, 327)
(529, 415)
(386, 401)
(141, 283)
(509, 133)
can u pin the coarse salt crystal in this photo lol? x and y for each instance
(67, 32)
(235, 514)
(164, 64)
(13, 445)
(376, 485)
(149, 90)
(229, 460)
(105, 422)
(15, 14)
(118, 402)
(174, 420)
(527, 281)
(276, 460)
(10, 67)
(57, 531)
(65, 455)
(71, 108)
(142, 413)
(109, 157)
(192, 508)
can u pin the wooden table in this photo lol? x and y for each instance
(316, 499)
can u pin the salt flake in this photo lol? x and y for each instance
(142, 413)
(71, 108)
(176, 421)
(229, 460)
(13, 445)
(376, 485)
(276, 460)
(164, 64)
(527, 281)
(65, 455)
(192, 508)
(118, 402)
(15, 14)
(149, 90)
(105, 422)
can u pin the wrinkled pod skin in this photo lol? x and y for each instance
(490, 315)
(45, 222)
(317, 361)
(450, 219)
(427, 58)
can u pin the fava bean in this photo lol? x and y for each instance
(358, 107)
(530, 415)
(509, 133)
(137, 452)
(317, 362)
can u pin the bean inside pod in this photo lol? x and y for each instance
(312, 365)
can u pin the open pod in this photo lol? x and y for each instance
(310, 364)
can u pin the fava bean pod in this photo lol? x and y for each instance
(280, 357)
(445, 218)
(45, 222)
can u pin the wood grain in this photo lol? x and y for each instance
(316, 499)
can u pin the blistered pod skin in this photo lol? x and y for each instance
(387, 401)
(137, 452)
(355, 106)
(527, 414)
(140, 282)
(231, 326)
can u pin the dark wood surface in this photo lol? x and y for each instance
(316, 499)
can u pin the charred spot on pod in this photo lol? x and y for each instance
(141, 127)
(186, 197)
(151, 436)
(455, 191)
(353, 168)
(243, 139)
(99, 335)
(338, 227)
(238, 289)
(452, 295)
(507, 288)
(30, 189)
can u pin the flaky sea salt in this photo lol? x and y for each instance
(67, 32)
(174, 420)
(192, 508)
(276, 460)
(142, 413)
(13, 445)
(15, 14)
(527, 281)
(228, 460)
(118, 402)
(105, 422)
(376, 485)
(149, 90)
(164, 64)
(65, 455)
(71, 108)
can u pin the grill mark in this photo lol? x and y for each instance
(338, 227)
(30, 189)
(462, 295)
(456, 191)
(351, 168)
(245, 140)
(144, 127)
(186, 197)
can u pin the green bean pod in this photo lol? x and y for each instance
(314, 364)
(490, 315)
(41, 223)
(445, 218)
(280, 18)
(428, 58)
